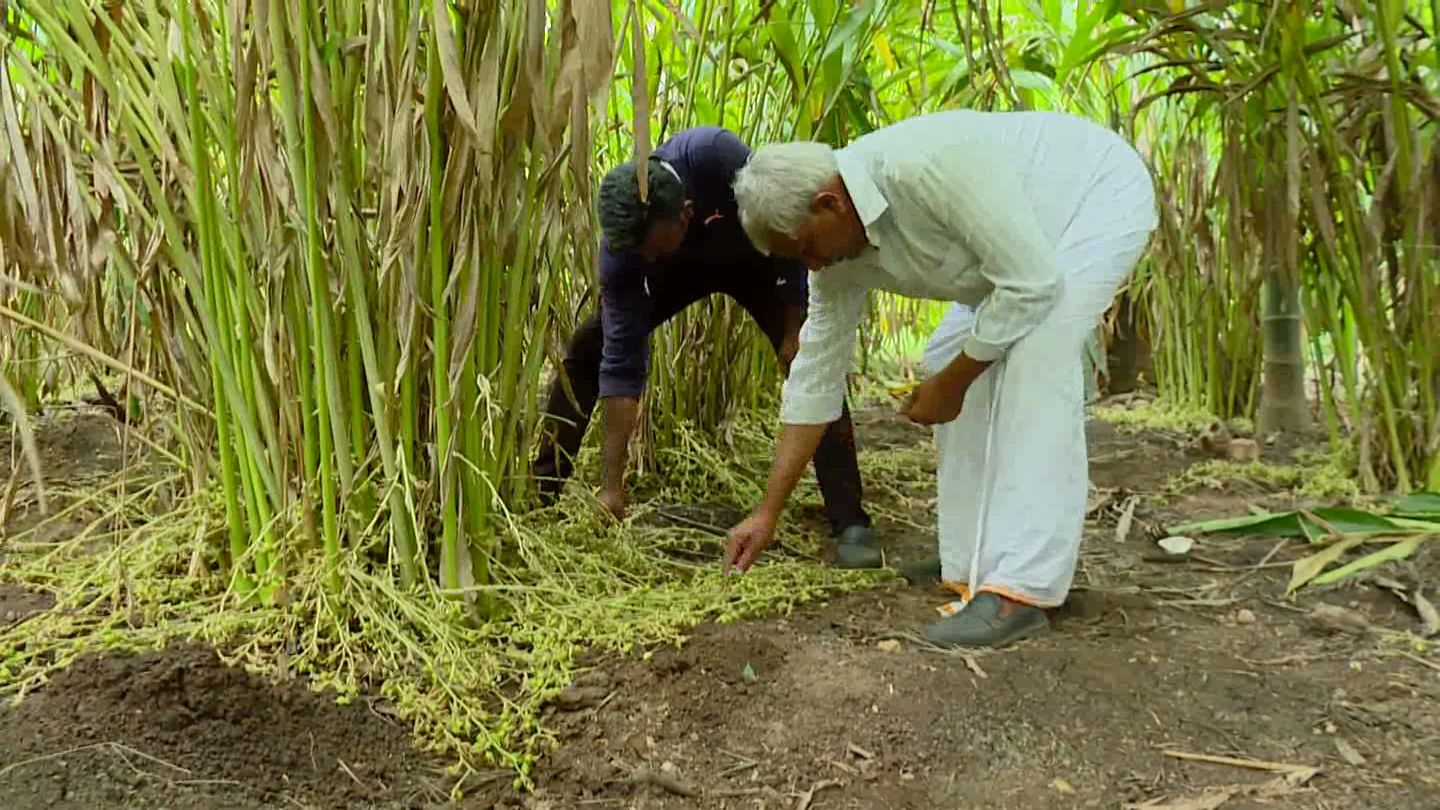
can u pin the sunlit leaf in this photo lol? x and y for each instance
(1308, 568)
(1392, 553)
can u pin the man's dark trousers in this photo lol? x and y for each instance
(836, 468)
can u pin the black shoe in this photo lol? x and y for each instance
(857, 547)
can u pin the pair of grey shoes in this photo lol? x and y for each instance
(986, 621)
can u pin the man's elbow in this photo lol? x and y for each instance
(1041, 295)
(1034, 300)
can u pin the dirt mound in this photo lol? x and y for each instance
(112, 730)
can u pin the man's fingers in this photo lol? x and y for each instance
(749, 553)
(741, 553)
(732, 552)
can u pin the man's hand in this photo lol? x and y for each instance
(796, 448)
(614, 502)
(933, 402)
(748, 539)
(941, 398)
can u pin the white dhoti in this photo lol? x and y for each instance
(1013, 472)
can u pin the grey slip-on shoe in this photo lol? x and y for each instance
(987, 621)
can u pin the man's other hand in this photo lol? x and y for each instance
(747, 540)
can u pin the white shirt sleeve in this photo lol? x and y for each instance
(974, 193)
(814, 393)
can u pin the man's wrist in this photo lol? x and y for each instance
(963, 370)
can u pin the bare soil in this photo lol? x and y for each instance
(1150, 665)
(179, 729)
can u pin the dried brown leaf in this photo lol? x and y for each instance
(1207, 801)
(1240, 762)
(11, 402)
(1127, 519)
(1310, 567)
(450, 66)
(24, 170)
(527, 107)
(580, 146)
(567, 84)
(1348, 752)
(487, 82)
(320, 90)
(1429, 616)
(596, 32)
(640, 98)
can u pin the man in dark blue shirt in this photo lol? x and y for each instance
(683, 243)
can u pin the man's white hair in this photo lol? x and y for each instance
(774, 189)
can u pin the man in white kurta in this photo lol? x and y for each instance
(1029, 223)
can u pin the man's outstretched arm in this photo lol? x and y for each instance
(796, 448)
(625, 313)
(620, 416)
(814, 396)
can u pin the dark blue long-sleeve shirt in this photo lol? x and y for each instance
(716, 256)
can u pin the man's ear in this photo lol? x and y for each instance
(826, 201)
(687, 210)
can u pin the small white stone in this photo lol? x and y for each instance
(1177, 545)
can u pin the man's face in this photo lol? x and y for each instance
(665, 237)
(833, 233)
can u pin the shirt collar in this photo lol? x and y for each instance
(869, 202)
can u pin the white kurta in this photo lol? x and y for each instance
(1029, 222)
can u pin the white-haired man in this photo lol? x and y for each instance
(1028, 222)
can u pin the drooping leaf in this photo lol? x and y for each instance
(1031, 80)
(1391, 553)
(846, 32)
(1080, 42)
(1310, 567)
(782, 35)
(11, 402)
(450, 67)
(1295, 524)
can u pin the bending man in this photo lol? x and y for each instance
(1028, 222)
(655, 261)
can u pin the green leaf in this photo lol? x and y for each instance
(1080, 42)
(1055, 14)
(1293, 524)
(1030, 80)
(782, 36)
(845, 33)
(1418, 505)
(1391, 553)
